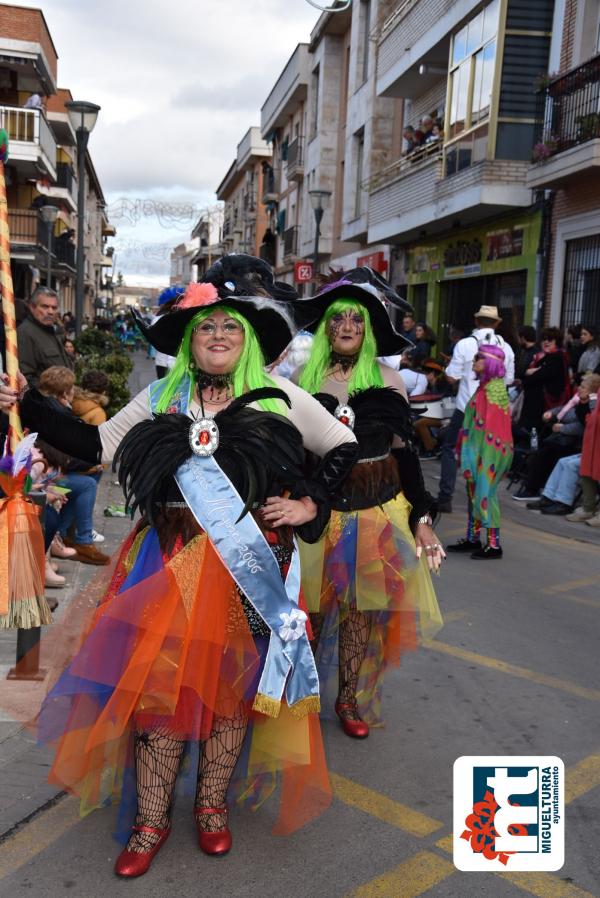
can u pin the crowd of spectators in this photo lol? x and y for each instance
(553, 382)
(429, 130)
(47, 359)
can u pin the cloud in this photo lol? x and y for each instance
(179, 83)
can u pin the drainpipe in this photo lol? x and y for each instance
(544, 201)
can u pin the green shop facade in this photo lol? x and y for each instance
(491, 264)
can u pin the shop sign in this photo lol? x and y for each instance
(504, 243)
(376, 261)
(303, 272)
(462, 271)
(463, 253)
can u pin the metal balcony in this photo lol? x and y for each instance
(290, 242)
(567, 139)
(295, 160)
(26, 228)
(31, 139)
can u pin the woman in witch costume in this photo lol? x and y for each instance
(365, 577)
(200, 632)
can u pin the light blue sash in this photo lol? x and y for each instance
(289, 667)
(215, 503)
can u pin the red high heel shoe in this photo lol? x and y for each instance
(358, 729)
(217, 843)
(136, 863)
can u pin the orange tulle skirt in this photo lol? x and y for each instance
(169, 646)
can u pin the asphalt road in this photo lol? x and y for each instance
(514, 671)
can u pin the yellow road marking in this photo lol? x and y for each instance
(582, 778)
(412, 877)
(513, 670)
(545, 885)
(569, 585)
(579, 600)
(382, 807)
(37, 835)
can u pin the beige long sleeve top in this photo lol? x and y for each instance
(321, 432)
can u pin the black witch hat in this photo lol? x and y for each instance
(371, 290)
(240, 282)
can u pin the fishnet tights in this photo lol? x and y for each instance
(157, 757)
(218, 758)
(355, 627)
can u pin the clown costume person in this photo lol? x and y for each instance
(200, 638)
(367, 580)
(485, 451)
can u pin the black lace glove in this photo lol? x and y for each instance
(413, 485)
(64, 432)
(326, 479)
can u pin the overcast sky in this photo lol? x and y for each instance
(179, 83)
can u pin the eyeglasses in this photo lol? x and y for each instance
(209, 328)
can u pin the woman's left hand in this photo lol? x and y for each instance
(280, 512)
(428, 542)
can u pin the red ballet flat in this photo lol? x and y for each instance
(358, 729)
(136, 863)
(215, 843)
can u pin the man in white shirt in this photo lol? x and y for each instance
(460, 370)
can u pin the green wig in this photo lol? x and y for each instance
(365, 373)
(248, 374)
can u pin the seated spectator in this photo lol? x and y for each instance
(546, 382)
(57, 384)
(414, 381)
(565, 439)
(590, 357)
(560, 492)
(91, 398)
(426, 426)
(425, 340)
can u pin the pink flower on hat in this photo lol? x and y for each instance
(198, 295)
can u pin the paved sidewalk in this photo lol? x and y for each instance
(23, 765)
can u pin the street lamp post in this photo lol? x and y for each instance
(319, 200)
(82, 116)
(49, 214)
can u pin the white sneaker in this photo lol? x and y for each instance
(97, 537)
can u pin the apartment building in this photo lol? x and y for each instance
(566, 151)
(208, 231)
(245, 216)
(460, 207)
(41, 165)
(182, 262)
(283, 126)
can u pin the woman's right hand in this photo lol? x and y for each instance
(8, 396)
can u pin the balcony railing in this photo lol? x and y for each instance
(29, 126)
(65, 252)
(65, 177)
(290, 242)
(27, 228)
(409, 163)
(569, 111)
(295, 160)
(270, 192)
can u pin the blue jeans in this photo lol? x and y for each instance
(448, 457)
(563, 482)
(80, 506)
